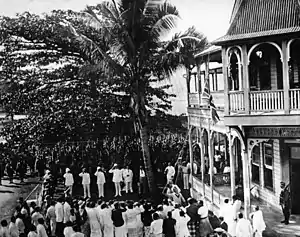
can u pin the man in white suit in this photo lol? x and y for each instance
(128, 176)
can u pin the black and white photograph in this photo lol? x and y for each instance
(149, 118)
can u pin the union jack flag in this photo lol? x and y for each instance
(206, 95)
(214, 114)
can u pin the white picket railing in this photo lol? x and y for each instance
(295, 99)
(236, 101)
(266, 100)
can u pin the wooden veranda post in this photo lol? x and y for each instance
(232, 164)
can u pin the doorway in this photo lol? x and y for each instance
(237, 152)
(295, 177)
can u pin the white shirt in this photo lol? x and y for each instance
(243, 228)
(217, 158)
(226, 211)
(176, 214)
(170, 171)
(85, 178)
(194, 167)
(100, 177)
(41, 231)
(167, 208)
(156, 227)
(127, 175)
(35, 216)
(203, 212)
(214, 170)
(4, 232)
(117, 175)
(59, 212)
(181, 226)
(67, 212)
(68, 231)
(32, 234)
(20, 225)
(68, 179)
(236, 207)
(226, 169)
(13, 230)
(258, 221)
(77, 234)
(50, 214)
(142, 174)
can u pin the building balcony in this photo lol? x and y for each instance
(263, 101)
(265, 107)
(195, 99)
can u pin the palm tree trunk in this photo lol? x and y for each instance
(147, 158)
(141, 117)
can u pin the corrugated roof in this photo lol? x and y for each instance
(210, 50)
(228, 38)
(256, 18)
(235, 9)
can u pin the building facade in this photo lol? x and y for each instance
(257, 140)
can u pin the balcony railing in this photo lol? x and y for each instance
(194, 99)
(236, 100)
(295, 99)
(218, 98)
(266, 100)
(259, 101)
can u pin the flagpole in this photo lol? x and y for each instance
(210, 155)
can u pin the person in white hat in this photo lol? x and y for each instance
(128, 176)
(100, 181)
(47, 174)
(86, 181)
(69, 180)
(117, 178)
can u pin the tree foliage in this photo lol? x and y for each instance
(72, 71)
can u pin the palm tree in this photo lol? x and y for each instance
(133, 31)
(186, 45)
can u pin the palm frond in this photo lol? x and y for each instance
(167, 8)
(109, 11)
(92, 50)
(165, 25)
(91, 18)
(152, 5)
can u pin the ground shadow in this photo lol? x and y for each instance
(11, 186)
(6, 191)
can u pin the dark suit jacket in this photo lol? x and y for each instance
(224, 226)
(169, 227)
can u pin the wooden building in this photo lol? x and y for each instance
(258, 135)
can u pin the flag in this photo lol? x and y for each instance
(214, 114)
(206, 90)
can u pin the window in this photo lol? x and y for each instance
(256, 164)
(211, 82)
(220, 82)
(268, 164)
(295, 153)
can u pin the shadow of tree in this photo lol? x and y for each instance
(12, 186)
(6, 191)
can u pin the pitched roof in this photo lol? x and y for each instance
(257, 18)
(210, 50)
(235, 9)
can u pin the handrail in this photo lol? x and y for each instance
(265, 91)
(235, 92)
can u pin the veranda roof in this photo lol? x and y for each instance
(259, 18)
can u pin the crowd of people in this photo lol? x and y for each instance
(88, 215)
(16, 160)
(67, 216)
